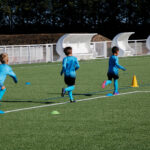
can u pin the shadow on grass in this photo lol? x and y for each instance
(84, 94)
(75, 94)
(45, 101)
(26, 101)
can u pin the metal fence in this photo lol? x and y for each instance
(103, 49)
(22, 54)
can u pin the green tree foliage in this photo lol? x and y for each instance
(32, 16)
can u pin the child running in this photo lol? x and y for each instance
(69, 66)
(113, 70)
(5, 70)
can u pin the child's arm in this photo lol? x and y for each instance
(118, 65)
(13, 75)
(63, 67)
(77, 65)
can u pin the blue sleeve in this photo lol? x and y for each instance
(77, 65)
(63, 66)
(13, 75)
(118, 65)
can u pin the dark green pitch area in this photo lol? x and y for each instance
(111, 123)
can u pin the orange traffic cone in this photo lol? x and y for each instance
(134, 82)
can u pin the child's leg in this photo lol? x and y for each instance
(2, 92)
(116, 86)
(69, 89)
(105, 83)
(70, 81)
(70, 95)
(108, 82)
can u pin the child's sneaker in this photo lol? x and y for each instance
(72, 101)
(2, 112)
(116, 93)
(103, 84)
(63, 92)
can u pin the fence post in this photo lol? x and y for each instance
(47, 53)
(135, 44)
(29, 57)
(20, 54)
(52, 54)
(94, 49)
(5, 49)
(105, 49)
(13, 56)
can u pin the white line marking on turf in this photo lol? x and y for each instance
(87, 99)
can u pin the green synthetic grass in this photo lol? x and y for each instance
(112, 123)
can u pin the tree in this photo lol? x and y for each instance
(104, 16)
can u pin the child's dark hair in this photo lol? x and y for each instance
(115, 49)
(4, 58)
(67, 50)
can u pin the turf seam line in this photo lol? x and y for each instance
(87, 99)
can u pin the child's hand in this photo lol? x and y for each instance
(15, 80)
(61, 73)
(3, 87)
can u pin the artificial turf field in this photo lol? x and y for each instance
(98, 122)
